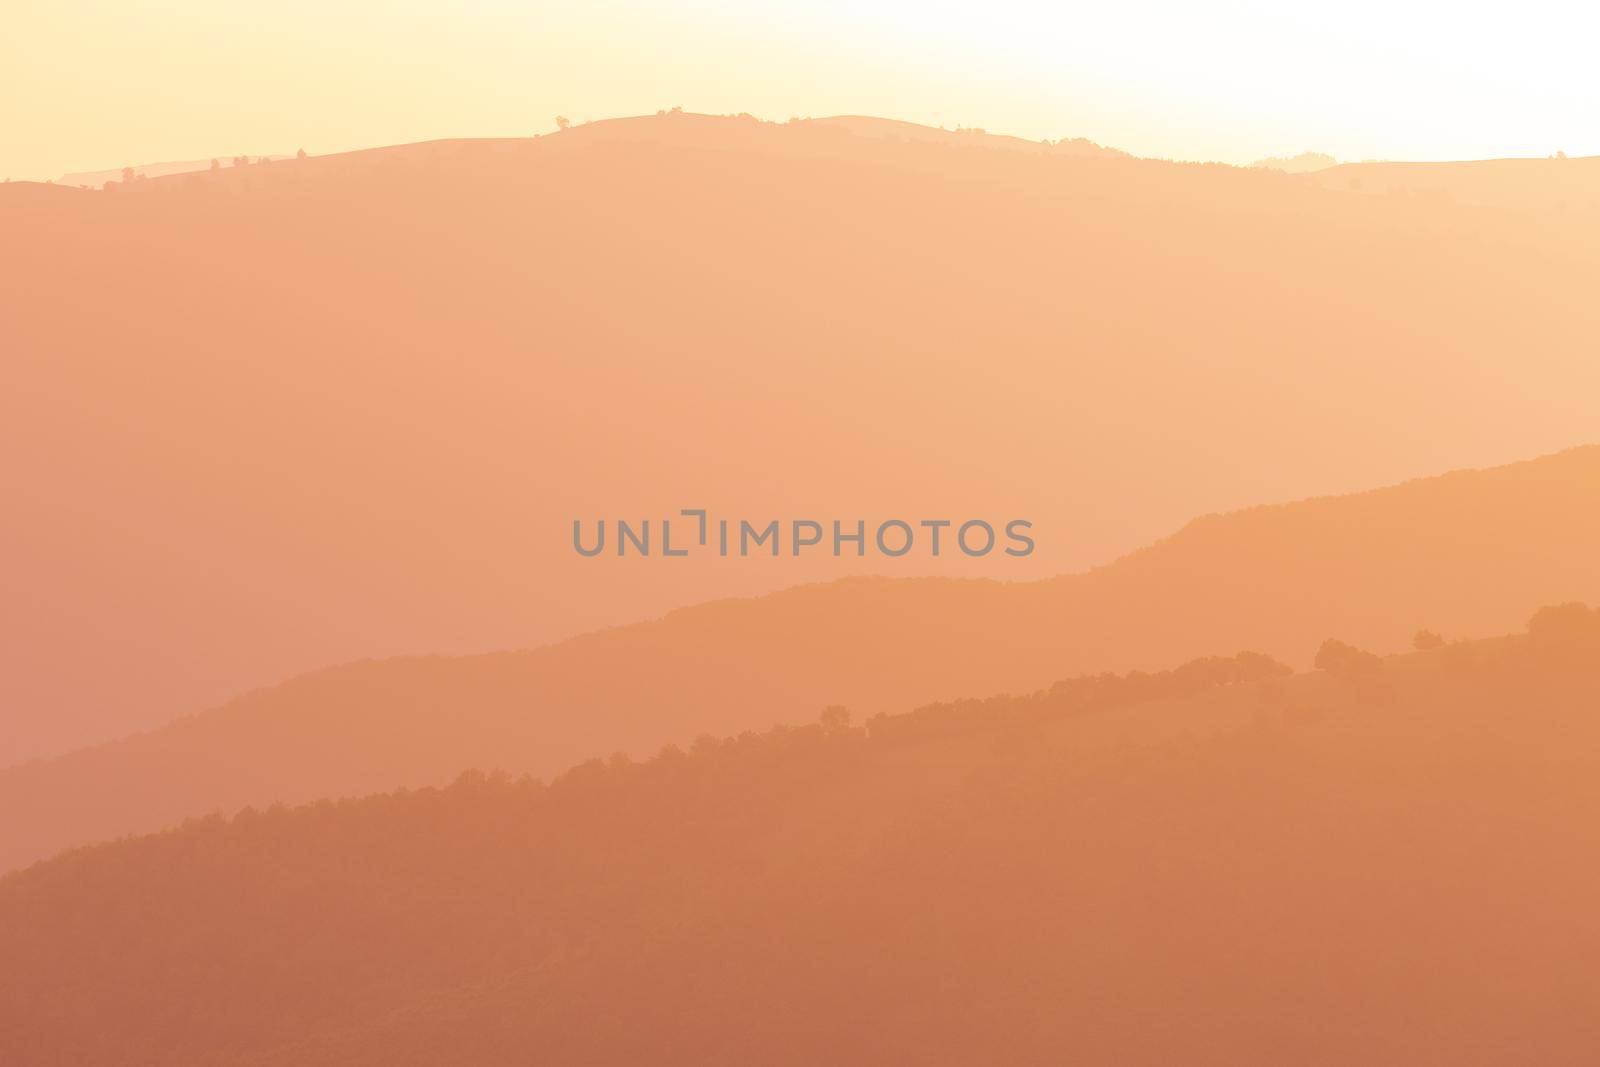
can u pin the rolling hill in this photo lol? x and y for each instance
(1391, 863)
(1372, 567)
(300, 413)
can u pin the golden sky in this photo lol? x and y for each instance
(97, 84)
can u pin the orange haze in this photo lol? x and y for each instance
(1372, 567)
(1387, 862)
(292, 414)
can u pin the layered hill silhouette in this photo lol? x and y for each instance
(1373, 567)
(298, 413)
(1392, 862)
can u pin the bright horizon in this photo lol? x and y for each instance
(95, 86)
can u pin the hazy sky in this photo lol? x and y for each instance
(96, 84)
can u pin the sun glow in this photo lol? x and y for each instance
(109, 84)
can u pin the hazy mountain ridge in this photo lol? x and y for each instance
(1372, 567)
(1570, 187)
(349, 406)
(1040, 879)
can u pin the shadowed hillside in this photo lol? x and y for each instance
(302, 412)
(1392, 862)
(1373, 567)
